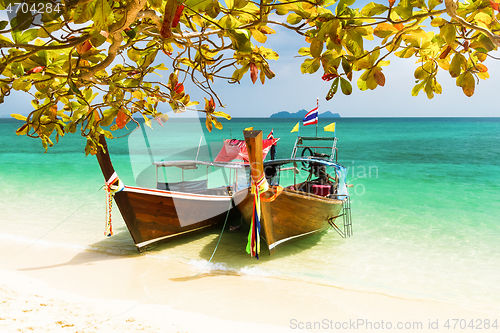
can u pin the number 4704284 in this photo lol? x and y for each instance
(25, 7)
(478, 324)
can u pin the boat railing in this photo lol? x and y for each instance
(301, 143)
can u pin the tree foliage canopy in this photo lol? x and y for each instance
(90, 65)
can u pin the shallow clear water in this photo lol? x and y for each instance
(425, 203)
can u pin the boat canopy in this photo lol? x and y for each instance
(317, 160)
(191, 164)
(237, 150)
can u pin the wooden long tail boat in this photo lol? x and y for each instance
(299, 209)
(170, 210)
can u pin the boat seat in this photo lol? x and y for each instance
(321, 190)
(192, 186)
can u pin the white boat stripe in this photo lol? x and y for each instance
(273, 245)
(178, 195)
(165, 237)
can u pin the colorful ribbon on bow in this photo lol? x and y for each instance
(258, 187)
(112, 186)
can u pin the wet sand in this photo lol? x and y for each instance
(59, 289)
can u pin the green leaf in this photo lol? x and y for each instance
(97, 38)
(241, 40)
(213, 9)
(24, 17)
(324, 31)
(404, 9)
(3, 24)
(406, 52)
(85, 12)
(134, 55)
(429, 88)
(148, 60)
(420, 73)
(354, 43)
(17, 69)
(467, 83)
(197, 5)
(74, 88)
(449, 33)
(438, 22)
(346, 66)
(19, 84)
(417, 88)
(456, 65)
(238, 4)
(345, 86)
(482, 42)
(333, 89)
(293, 18)
(373, 8)
(310, 66)
(108, 117)
(25, 36)
(228, 22)
(342, 6)
(103, 16)
(316, 48)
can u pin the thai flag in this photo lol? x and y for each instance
(270, 135)
(311, 117)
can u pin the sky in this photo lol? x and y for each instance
(291, 91)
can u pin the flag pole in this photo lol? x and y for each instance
(317, 107)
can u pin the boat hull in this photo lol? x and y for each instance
(161, 215)
(153, 216)
(282, 222)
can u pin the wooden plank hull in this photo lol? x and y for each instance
(153, 216)
(292, 215)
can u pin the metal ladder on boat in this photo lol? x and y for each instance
(346, 218)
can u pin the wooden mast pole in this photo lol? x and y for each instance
(253, 140)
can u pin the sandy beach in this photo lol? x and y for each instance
(56, 289)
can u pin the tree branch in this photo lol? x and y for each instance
(451, 9)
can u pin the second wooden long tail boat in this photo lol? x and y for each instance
(290, 209)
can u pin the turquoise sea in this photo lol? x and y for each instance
(425, 204)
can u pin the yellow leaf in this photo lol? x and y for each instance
(483, 75)
(217, 124)
(18, 116)
(483, 18)
(147, 121)
(468, 84)
(222, 114)
(137, 94)
(258, 36)
(437, 88)
(384, 29)
(444, 64)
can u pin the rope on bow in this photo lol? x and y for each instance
(253, 245)
(112, 186)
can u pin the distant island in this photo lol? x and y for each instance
(302, 113)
